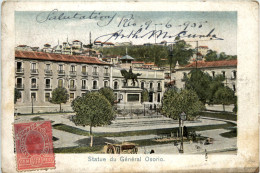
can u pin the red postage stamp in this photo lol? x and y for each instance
(34, 148)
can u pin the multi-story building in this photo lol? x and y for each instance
(38, 74)
(227, 68)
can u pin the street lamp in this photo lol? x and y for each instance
(182, 118)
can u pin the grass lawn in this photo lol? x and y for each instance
(78, 131)
(220, 115)
(231, 134)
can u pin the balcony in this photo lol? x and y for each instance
(159, 89)
(84, 87)
(151, 90)
(34, 71)
(95, 73)
(48, 87)
(61, 72)
(167, 77)
(95, 87)
(116, 87)
(48, 72)
(73, 73)
(34, 86)
(19, 70)
(19, 86)
(106, 74)
(84, 73)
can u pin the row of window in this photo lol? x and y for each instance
(72, 84)
(61, 71)
(234, 74)
(47, 96)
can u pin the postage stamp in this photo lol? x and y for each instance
(34, 148)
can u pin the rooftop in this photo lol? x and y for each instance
(204, 64)
(58, 57)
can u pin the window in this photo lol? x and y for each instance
(60, 83)
(115, 85)
(71, 96)
(159, 86)
(33, 83)
(224, 73)
(234, 74)
(47, 83)
(72, 68)
(158, 97)
(33, 96)
(151, 85)
(48, 67)
(234, 88)
(60, 67)
(19, 83)
(142, 85)
(33, 66)
(184, 75)
(19, 67)
(94, 84)
(105, 83)
(83, 84)
(84, 69)
(72, 83)
(106, 71)
(213, 74)
(95, 69)
(47, 97)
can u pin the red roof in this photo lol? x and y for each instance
(204, 46)
(57, 57)
(203, 64)
(137, 62)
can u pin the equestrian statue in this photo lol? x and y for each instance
(130, 75)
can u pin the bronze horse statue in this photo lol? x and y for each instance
(130, 75)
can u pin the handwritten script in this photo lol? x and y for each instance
(126, 26)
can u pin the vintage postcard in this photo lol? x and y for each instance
(130, 86)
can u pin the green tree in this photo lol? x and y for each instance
(215, 83)
(181, 52)
(59, 95)
(17, 95)
(175, 102)
(211, 56)
(109, 94)
(225, 96)
(93, 109)
(199, 82)
(144, 95)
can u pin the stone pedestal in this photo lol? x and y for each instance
(130, 98)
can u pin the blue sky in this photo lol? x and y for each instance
(35, 28)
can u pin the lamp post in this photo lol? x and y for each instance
(182, 118)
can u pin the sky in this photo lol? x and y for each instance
(217, 30)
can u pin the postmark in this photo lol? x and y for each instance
(33, 144)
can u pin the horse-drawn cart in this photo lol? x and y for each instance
(124, 148)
